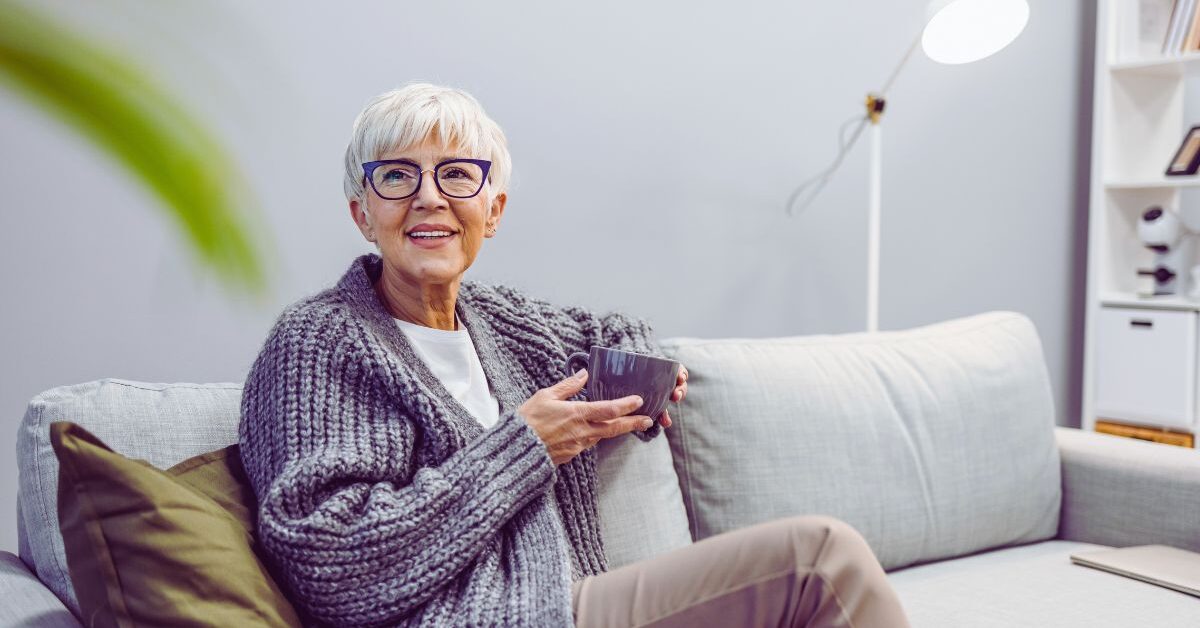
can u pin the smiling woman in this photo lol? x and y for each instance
(413, 442)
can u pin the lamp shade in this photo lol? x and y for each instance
(962, 31)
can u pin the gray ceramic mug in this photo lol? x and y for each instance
(613, 373)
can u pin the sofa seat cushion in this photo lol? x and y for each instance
(27, 602)
(641, 510)
(932, 442)
(1036, 585)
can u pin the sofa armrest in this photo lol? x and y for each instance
(26, 601)
(1120, 492)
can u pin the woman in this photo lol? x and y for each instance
(416, 451)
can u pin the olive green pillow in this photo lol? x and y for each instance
(162, 548)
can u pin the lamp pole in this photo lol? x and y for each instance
(875, 107)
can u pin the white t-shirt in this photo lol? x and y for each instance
(452, 358)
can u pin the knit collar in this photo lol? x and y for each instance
(357, 284)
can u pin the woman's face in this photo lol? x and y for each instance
(391, 223)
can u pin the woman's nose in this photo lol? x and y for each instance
(429, 196)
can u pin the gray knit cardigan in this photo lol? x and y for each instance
(382, 500)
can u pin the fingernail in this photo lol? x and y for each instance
(582, 373)
(646, 423)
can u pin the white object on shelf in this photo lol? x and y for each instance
(1146, 366)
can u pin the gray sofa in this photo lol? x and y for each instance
(937, 443)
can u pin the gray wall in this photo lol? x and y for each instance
(670, 133)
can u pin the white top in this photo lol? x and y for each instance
(452, 358)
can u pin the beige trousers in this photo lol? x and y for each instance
(797, 571)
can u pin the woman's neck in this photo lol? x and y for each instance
(429, 305)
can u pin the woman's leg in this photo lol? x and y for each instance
(796, 571)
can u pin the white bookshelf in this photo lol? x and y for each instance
(1138, 122)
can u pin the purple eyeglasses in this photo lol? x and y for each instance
(395, 179)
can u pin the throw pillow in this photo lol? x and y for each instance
(163, 548)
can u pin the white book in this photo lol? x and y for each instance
(1186, 8)
(1151, 20)
(1173, 28)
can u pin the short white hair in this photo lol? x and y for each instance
(406, 117)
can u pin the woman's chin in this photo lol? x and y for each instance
(438, 274)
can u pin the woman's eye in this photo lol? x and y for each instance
(396, 175)
(454, 173)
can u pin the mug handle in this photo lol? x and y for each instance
(577, 360)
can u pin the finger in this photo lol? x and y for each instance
(568, 387)
(610, 409)
(677, 394)
(665, 419)
(621, 425)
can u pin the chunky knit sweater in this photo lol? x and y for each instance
(382, 500)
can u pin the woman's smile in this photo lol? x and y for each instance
(432, 242)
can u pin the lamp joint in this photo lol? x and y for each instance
(875, 106)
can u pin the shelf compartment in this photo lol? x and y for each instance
(1146, 366)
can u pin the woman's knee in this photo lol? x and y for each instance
(823, 530)
(824, 524)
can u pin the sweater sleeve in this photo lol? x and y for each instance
(580, 328)
(362, 532)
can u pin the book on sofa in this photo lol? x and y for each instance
(1165, 566)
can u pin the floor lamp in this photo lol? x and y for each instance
(956, 32)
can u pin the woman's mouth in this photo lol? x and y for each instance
(431, 239)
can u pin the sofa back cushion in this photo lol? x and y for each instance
(165, 424)
(933, 442)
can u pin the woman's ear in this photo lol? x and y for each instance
(494, 214)
(358, 211)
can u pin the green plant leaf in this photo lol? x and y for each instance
(106, 98)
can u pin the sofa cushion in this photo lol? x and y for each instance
(1036, 585)
(641, 509)
(27, 602)
(932, 442)
(147, 547)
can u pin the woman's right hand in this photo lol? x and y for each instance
(569, 427)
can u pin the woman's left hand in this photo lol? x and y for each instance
(677, 394)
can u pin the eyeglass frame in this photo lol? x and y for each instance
(370, 166)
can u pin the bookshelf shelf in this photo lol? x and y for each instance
(1121, 299)
(1180, 65)
(1153, 184)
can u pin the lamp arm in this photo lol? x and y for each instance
(875, 103)
(900, 66)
